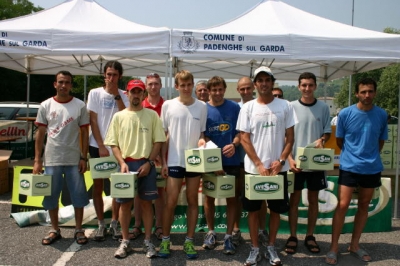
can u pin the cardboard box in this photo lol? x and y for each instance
(314, 159)
(103, 167)
(203, 160)
(374, 196)
(290, 179)
(4, 180)
(161, 182)
(259, 187)
(123, 185)
(219, 187)
(387, 161)
(35, 185)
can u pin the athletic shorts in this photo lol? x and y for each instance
(278, 206)
(180, 172)
(75, 183)
(315, 180)
(232, 170)
(94, 152)
(350, 179)
(147, 185)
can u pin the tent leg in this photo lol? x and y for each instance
(396, 187)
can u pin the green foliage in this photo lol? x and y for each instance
(388, 89)
(16, 8)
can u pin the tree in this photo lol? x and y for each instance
(388, 89)
(16, 8)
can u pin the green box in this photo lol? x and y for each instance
(124, 185)
(315, 159)
(34, 185)
(103, 167)
(203, 160)
(374, 196)
(219, 187)
(290, 179)
(259, 187)
(161, 182)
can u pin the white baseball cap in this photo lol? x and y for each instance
(263, 69)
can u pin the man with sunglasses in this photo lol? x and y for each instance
(313, 127)
(153, 101)
(277, 92)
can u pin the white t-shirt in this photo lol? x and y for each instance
(184, 125)
(103, 104)
(267, 124)
(63, 121)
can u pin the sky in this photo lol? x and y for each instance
(370, 14)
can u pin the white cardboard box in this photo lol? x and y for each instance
(259, 187)
(34, 185)
(103, 167)
(124, 185)
(203, 160)
(219, 187)
(314, 159)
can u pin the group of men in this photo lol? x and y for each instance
(259, 137)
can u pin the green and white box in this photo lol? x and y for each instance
(103, 167)
(203, 160)
(314, 159)
(124, 185)
(290, 179)
(34, 185)
(374, 196)
(218, 186)
(259, 187)
(161, 182)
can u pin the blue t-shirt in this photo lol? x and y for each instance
(361, 132)
(221, 127)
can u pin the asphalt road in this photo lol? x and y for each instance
(22, 246)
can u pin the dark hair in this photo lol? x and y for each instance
(366, 81)
(64, 73)
(114, 64)
(278, 89)
(215, 81)
(307, 75)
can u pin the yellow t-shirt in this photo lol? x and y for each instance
(134, 132)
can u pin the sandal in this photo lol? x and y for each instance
(331, 255)
(291, 249)
(360, 254)
(313, 248)
(49, 239)
(135, 233)
(158, 232)
(81, 239)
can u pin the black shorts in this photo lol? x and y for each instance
(350, 179)
(278, 206)
(232, 170)
(180, 172)
(94, 152)
(315, 180)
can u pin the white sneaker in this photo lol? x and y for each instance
(123, 250)
(253, 258)
(272, 256)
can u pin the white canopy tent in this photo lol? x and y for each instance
(289, 41)
(285, 38)
(80, 36)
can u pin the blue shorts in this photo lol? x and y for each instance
(75, 183)
(147, 185)
(350, 179)
(180, 172)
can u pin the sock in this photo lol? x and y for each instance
(114, 223)
(101, 223)
(146, 242)
(235, 231)
(227, 236)
(166, 238)
(125, 241)
(255, 249)
(211, 232)
(188, 239)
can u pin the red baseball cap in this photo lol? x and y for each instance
(135, 83)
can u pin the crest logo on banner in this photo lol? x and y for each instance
(188, 44)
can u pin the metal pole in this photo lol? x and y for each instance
(350, 85)
(396, 187)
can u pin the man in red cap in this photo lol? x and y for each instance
(136, 136)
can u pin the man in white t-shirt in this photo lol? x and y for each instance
(184, 122)
(102, 104)
(266, 127)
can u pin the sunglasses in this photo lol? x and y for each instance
(278, 95)
(153, 75)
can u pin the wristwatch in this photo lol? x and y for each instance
(151, 162)
(85, 159)
(282, 162)
(118, 97)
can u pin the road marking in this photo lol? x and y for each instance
(69, 253)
